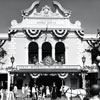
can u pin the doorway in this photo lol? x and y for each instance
(48, 81)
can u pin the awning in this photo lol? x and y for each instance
(45, 70)
(4, 36)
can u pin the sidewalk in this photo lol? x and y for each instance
(62, 98)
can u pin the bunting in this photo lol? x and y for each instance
(60, 33)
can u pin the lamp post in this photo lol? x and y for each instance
(12, 61)
(98, 64)
(83, 73)
(83, 60)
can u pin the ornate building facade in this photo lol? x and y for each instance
(45, 48)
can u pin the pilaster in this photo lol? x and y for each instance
(11, 50)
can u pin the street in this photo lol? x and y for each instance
(62, 98)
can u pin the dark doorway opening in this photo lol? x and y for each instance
(48, 81)
(3, 81)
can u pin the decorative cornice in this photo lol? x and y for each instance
(46, 10)
(26, 12)
(67, 13)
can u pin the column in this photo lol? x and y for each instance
(66, 55)
(40, 54)
(12, 78)
(53, 53)
(83, 81)
(26, 54)
(8, 87)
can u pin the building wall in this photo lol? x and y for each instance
(74, 48)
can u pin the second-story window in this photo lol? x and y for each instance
(60, 52)
(33, 53)
(46, 50)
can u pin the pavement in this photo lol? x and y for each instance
(62, 98)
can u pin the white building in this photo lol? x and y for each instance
(47, 48)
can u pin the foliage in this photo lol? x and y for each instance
(2, 53)
(94, 53)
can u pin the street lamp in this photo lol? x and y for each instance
(12, 61)
(98, 65)
(83, 72)
(83, 60)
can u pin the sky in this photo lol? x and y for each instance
(86, 11)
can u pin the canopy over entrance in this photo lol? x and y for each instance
(43, 70)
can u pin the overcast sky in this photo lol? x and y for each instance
(86, 11)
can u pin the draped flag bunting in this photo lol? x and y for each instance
(80, 33)
(32, 33)
(2, 42)
(63, 75)
(93, 43)
(34, 75)
(60, 33)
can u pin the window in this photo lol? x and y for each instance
(33, 53)
(60, 52)
(46, 50)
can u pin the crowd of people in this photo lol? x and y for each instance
(43, 92)
(37, 93)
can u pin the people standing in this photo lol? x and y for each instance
(43, 92)
(15, 89)
(47, 91)
(34, 92)
(23, 89)
(54, 91)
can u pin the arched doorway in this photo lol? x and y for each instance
(47, 80)
(46, 50)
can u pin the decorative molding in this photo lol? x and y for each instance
(48, 61)
(26, 12)
(34, 23)
(67, 13)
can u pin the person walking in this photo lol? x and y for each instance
(54, 91)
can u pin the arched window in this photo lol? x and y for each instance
(60, 52)
(33, 53)
(46, 50)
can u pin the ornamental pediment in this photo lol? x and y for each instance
(46, 11)
(34, 23)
